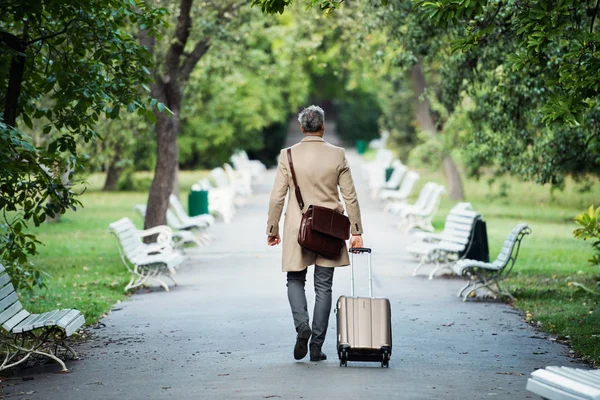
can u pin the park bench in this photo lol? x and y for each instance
(28, 334)
(241, 162)
(401, 194)
(379, 143)
(399, 170)
(565, 383)
(450, 245)
(489, 275)
(224, 193)
(451, 228)
(421, 217)
(181, 236)
(240, 180)
(375, 170)
(422, 199)
(185, 221)
(144, 261)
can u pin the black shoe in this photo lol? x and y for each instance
(301, 347)
(317, 355)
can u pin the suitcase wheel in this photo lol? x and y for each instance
(385, 360)
(344, 358)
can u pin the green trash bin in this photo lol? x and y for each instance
(361, 146)
(198, 202)
(388, 173)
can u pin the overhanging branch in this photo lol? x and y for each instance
(42, 38)
(594, 16)
(190, 62)
(182, 33)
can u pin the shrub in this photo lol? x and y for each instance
(590, 229)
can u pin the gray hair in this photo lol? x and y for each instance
(312, 118)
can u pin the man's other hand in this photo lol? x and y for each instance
(273, 240)
(356, 241)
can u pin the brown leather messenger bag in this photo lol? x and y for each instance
(322, 230)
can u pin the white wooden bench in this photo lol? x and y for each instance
(421, 217)
(180, 236)
(489, 275)
(28, 334)
(241, 162)
(375, 170)
(401, 194)
(449, 247)
(222, 195)
(422, 199)
(240, 180)
(451, 228)
(146, 262)
(565, 383)
(392, 183)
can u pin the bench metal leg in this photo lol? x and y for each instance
(421, 263)
(161, 283)
(469, 283)
(137, 279)
(439, 267)
(42, 345)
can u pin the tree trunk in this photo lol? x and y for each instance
(168, 90)
(426, 122)
(112, 175)
(175, 188)
(167, 128)
(15, 76)
(454, 180)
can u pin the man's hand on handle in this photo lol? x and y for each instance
(273, 240)
(356, 241)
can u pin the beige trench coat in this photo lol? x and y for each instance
(320, 169)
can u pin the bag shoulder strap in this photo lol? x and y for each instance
(297, 189)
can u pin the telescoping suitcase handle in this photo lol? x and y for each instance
(360, 250)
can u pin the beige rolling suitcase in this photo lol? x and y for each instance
(364, 329)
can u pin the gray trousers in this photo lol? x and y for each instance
(297, 297)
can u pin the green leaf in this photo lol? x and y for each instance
(114, 113)
(151, 116)
(27, 120)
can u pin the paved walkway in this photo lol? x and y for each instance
(226, 332)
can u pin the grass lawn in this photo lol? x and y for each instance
(551, 259)
(81, 257)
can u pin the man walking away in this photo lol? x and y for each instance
(321, 169)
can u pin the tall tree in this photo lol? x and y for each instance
(174, 66)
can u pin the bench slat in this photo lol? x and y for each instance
(1, 268)
(27, 324)
(10, 312)
(15, 320)
(44, 318)
(74, 325)
(550, 392)
(565, 384)
(588, 377)
(68, 318)
(4, 279)
(57, 317)
(9, 300)
(6, 290)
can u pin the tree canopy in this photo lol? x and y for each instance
(521, 77)
(62, 67)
